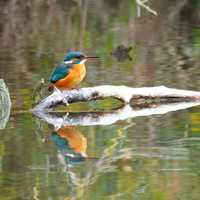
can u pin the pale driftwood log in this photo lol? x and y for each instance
(123, 93)
(111, 117)
(5, 104)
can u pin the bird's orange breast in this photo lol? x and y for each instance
(74, 77)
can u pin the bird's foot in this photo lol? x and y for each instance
(64, 99)
(57, 90)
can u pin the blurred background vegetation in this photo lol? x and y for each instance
(35, 35)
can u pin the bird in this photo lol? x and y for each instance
(70, 72)
(71, 143)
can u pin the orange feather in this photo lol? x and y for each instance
(74, 77)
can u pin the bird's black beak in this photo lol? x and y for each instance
(91, 57)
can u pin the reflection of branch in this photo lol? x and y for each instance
(101, 118)
(123, 93)
(83, 22)
(114, 151)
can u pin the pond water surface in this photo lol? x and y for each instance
(146, 157)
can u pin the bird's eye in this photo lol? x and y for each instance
(80, 57)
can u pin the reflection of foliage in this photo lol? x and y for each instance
(196, 42)
(100, 166)
(194, 124)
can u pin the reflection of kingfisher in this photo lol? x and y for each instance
(69, 73)
(71, 143)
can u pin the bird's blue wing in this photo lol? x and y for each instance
(60, 72)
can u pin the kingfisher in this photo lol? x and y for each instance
(71, 143)
(70, 72)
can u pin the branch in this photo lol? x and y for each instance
(142, 4)
(107, 118)
(123, 93)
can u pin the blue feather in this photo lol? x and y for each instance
(60, 72)
(72, 54)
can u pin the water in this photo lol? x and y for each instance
(152, 157)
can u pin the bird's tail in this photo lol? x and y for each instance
(50, 88)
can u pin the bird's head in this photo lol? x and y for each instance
(77, 57)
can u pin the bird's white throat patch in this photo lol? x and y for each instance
(68, 62)
(83, 61)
